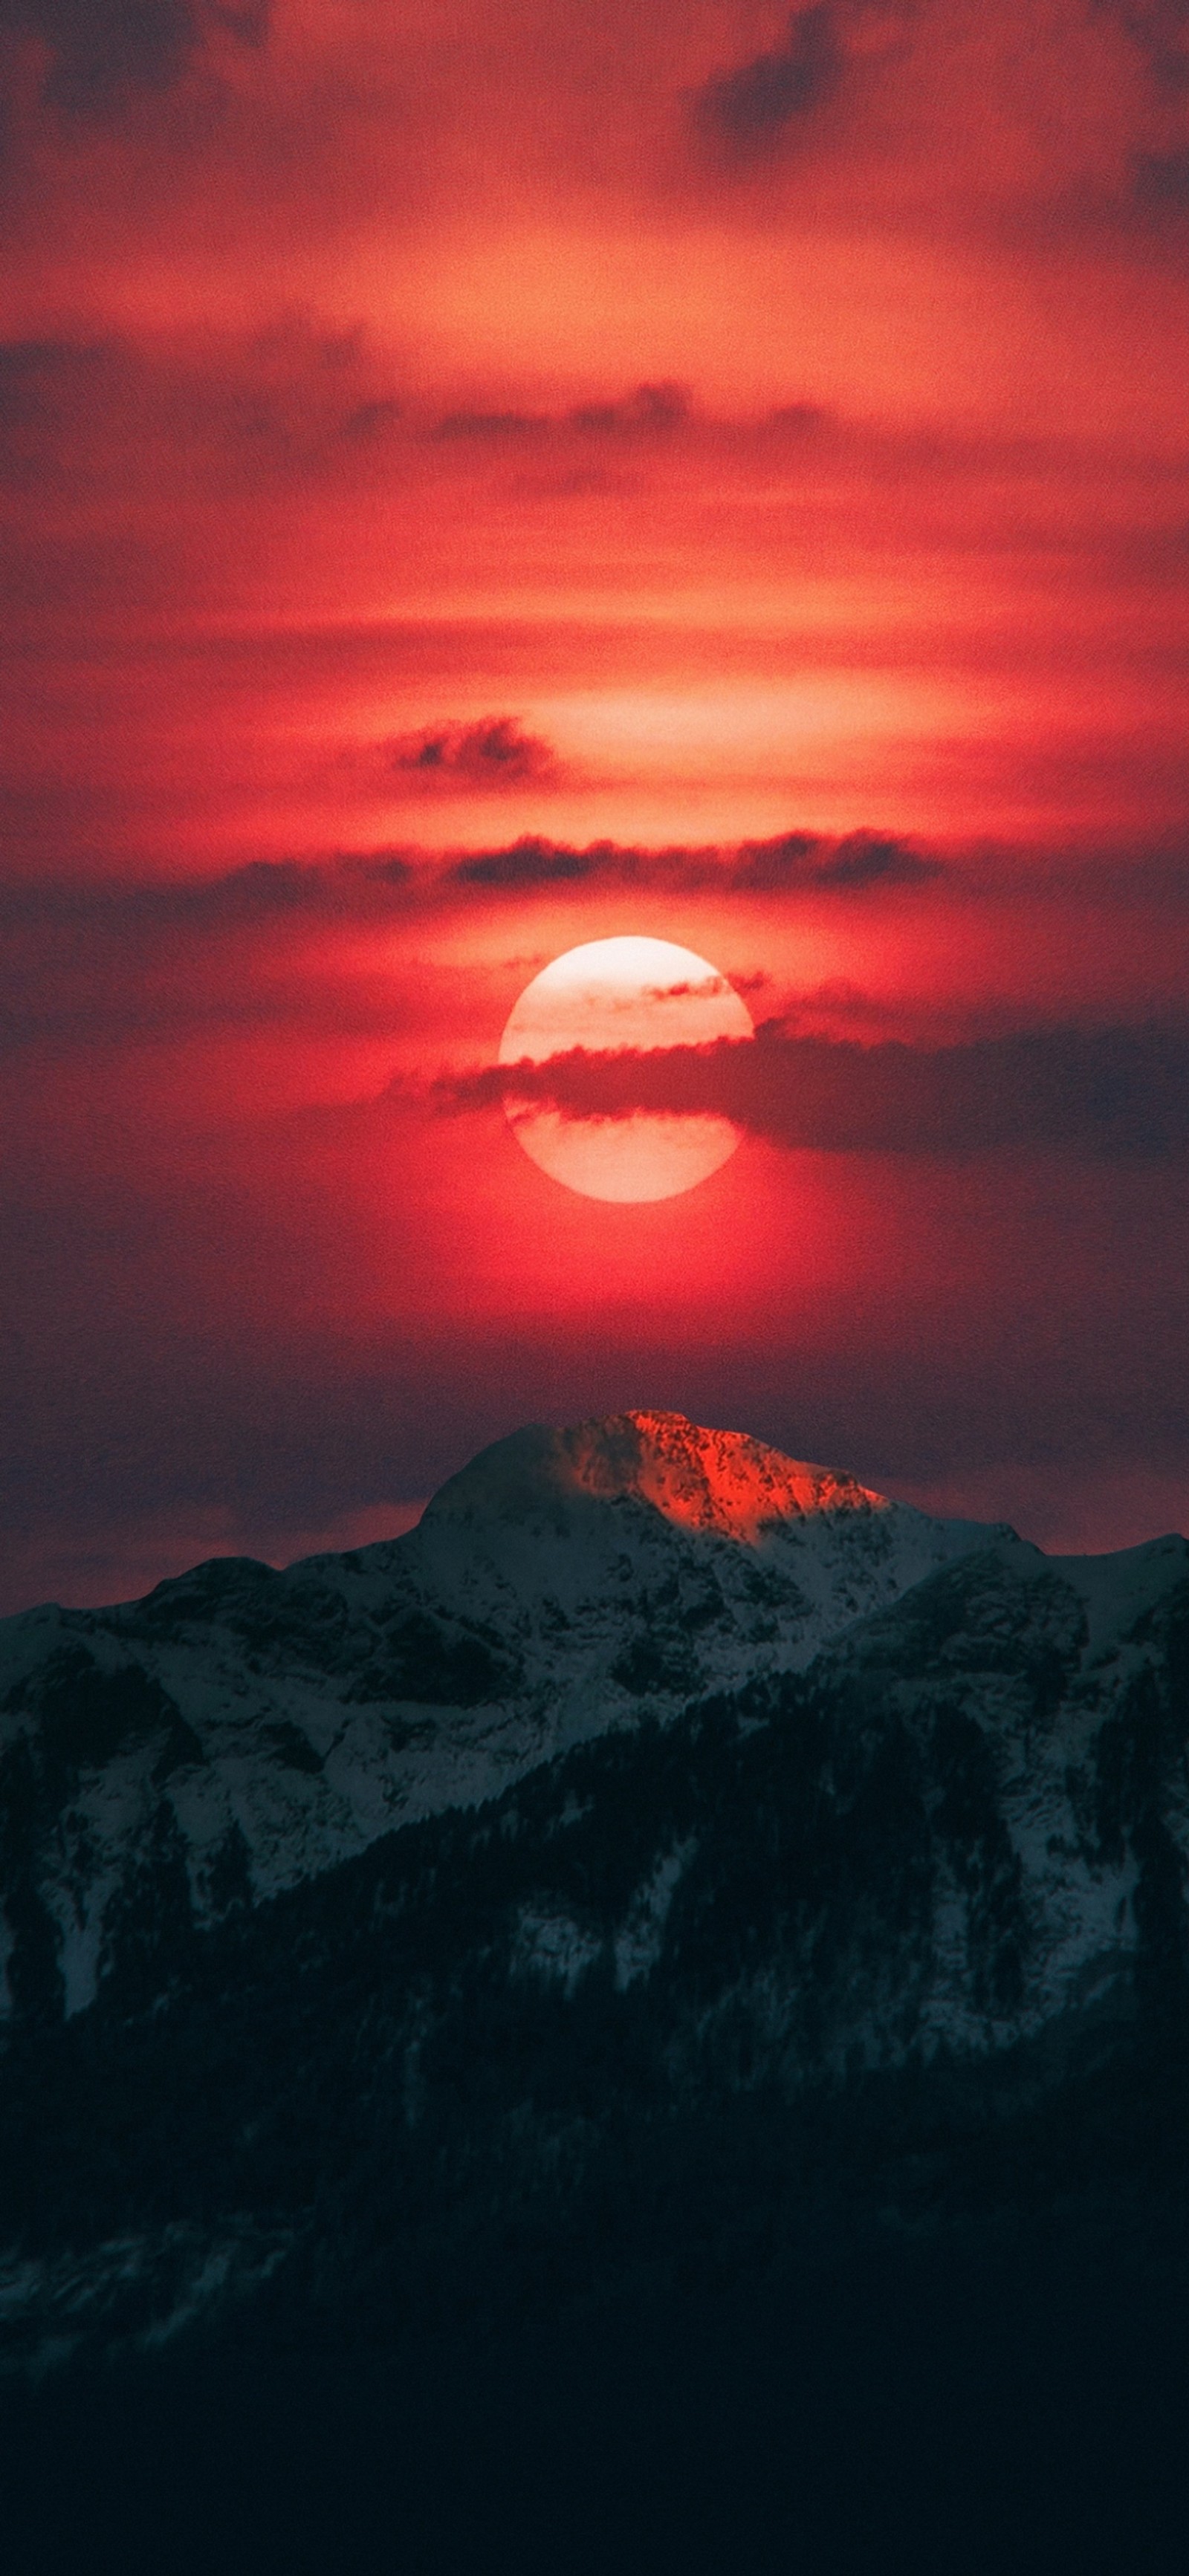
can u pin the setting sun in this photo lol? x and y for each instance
(608, 996)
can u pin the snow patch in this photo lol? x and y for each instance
(638, 1945)
(554, 1946)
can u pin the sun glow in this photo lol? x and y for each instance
(607, 995)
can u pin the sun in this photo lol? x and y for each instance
(609, 994)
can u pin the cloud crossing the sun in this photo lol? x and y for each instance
(1118, 1092)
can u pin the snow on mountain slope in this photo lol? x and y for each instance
(241, 1729)
(904, 1933)
(896, 1887)
(1041, 1705)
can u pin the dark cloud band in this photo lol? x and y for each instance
(1113, 1091)
(369, 882)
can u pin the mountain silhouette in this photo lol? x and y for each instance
(667, 1853)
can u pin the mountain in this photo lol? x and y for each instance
(247, 1728)
(669, 1853)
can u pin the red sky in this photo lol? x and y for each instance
(481, 478)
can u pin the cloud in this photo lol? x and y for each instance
(533, 862)
(495, 752)
(1160, 31)
(111, 957)
(790, 862)
(373, 884)
(1113, 1092)
(649, 409)
(242, 411)
(102, 52)
(47, 388)
(36, 376)
(489, 754)
(115, 915)
(750, 110)
(490, 424)
(859, 859)
(1160, 182)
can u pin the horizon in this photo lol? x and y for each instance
(385, 1523)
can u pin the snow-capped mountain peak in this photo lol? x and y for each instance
(720, 1481)
(255, 1727)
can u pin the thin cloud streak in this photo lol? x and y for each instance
(372, 884)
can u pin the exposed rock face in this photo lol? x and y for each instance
(902, 1918)
(718, 1481)
(242, 1729)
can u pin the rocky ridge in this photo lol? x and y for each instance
(248, 1728)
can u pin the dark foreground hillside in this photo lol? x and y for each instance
(907, 2409)
(760, 2138)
